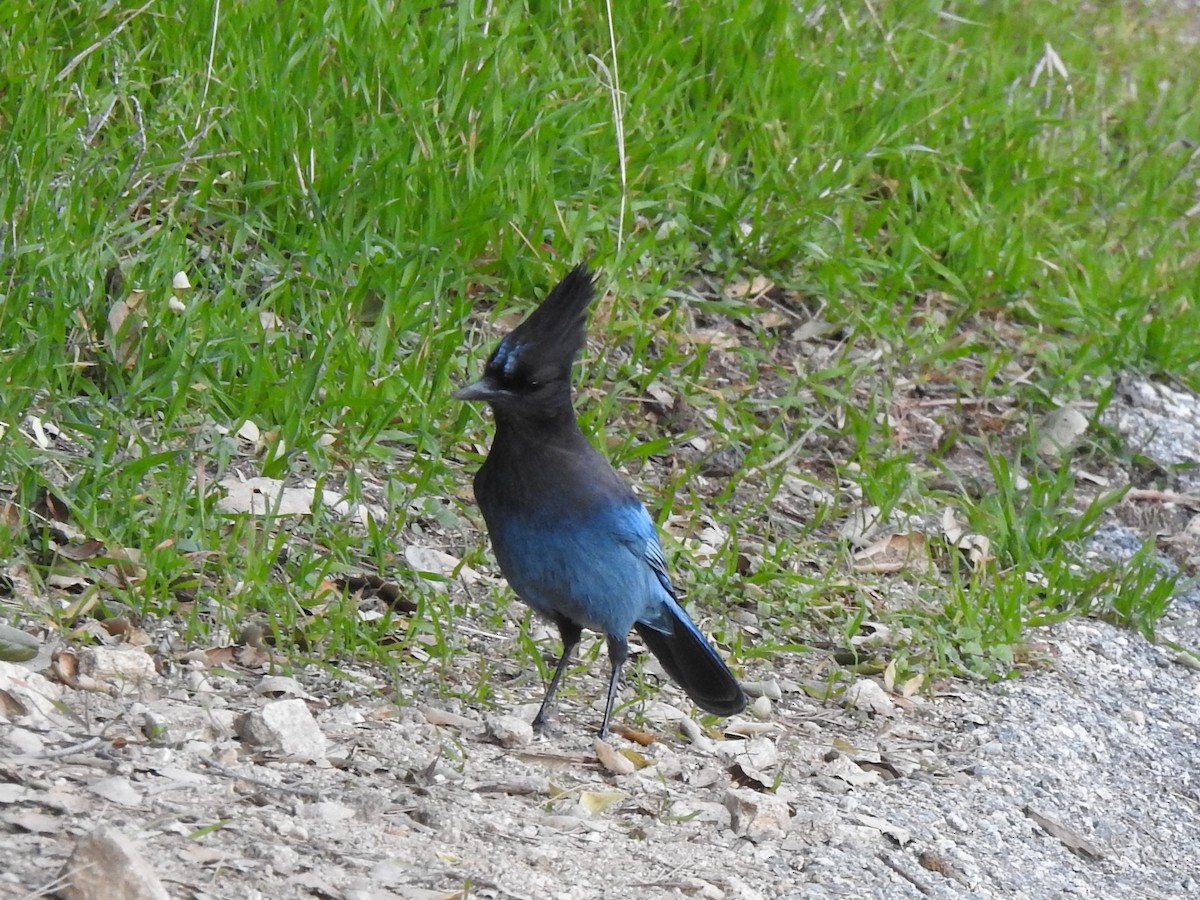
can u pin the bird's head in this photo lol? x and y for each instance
(529, 372)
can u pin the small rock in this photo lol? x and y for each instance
(172, 723)
(281, 687)
(117, 789)
(698, 812)
(1060, 430)
(449, 719)
(761, 708)
(662, 715)
(897, 833)
(695, 734)
(703, 890)
(761, 753)
(331, 811)
(845, 769)
(16, 645)
(28, 698)
(769, 689)
(390, 872)
(1135, 717)
(757, 816)
(867, 695)
(285, 726)
(108, 668)
(509, 731)
(282, 859)
(106, 866)
(518, 786)
(25, 742)
(562, 824)
(667, 763)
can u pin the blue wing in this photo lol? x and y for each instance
(601, 567)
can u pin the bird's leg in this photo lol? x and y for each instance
(618, 652)
(571, 634)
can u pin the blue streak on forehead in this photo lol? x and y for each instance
(508, 355)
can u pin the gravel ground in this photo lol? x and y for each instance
(1076, 780)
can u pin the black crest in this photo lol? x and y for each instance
(543, 347)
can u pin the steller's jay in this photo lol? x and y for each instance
(570, 536)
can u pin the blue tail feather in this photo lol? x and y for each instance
(692, 662)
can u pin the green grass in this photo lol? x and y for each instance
(378, 182)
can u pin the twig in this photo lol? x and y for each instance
(88, 51)
(208, 69)
(960, 401)
(912, 879)
(219, 769)
(613, 78)
(141, 145)
(883, 34)
(787, 454)
(1192, 501)
(67, 751)
(185, 159)
(52, 888)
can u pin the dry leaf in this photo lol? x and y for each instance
(126, 321)
(914, 684)
(35, 822)
(756, 287)
(898, 833)
(39, 433)
(889, 677)
(253, 658)
(16, 645)
(845, 769)
(250, 433)
(611, 760)
(65, 666)
(861, 526)
(264, 496)
(49, 506)
(1070, 838)
(936, 863)
(10, 513)
(436, 562)
(977, 547)
(893, 553)
(598, 801)
(813, 329)
(645, 738)
(371, 586)
(1059, 431)
(714, 338)
(640, 760)
(89, 549)
(201, 855)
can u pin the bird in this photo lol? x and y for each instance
(571, 537)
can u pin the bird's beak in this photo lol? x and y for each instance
(483, 389)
